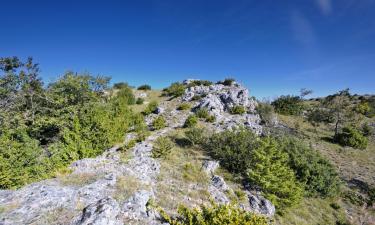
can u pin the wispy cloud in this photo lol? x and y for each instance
(325, 6)
(302, 29)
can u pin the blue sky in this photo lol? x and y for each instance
(273, 47)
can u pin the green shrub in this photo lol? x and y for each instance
(196, 136)
(210, 119)
(354, 198)
(213, 215)
(288, 105)
(196, 97)
(350, 136)
(191, 121)
(320, 115)
(335, 205)
(269, 171)
(151, 108)
(266, 112)
(232, 149)
(162, 147)
(199, 83)
(238, 109)
(159, 123)
(144, 87)
(121, 85)
(227, 82)
(184, 106)
(175, 90)
(125, 94)
(363, 108)
(139, 101)
(317, 174)
(202, 113)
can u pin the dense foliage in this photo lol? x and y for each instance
(288, 105)
(213, 215)
(266, 113)
(144, 87)
(350, 136)
(175, 90)
(151, 108)
(199, 83)
(159, 123)
(191, 121)
(45, 128)
(238, 109)
(162, 147)
(227, 82)
(317, 174)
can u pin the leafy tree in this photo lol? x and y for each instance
(269, 171)
(305, 92)
(339, 107)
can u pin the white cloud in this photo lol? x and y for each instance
(325, 6)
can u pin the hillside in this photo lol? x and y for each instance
(194, 143)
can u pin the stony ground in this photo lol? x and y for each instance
(115, 187)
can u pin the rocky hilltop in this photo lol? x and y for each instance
(116, 187)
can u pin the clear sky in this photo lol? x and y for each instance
(273, 47)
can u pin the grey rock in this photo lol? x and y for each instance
(209, 166)
(159, 110)
(136, 207)
(103, 212)
(260, 205)
(219, 183)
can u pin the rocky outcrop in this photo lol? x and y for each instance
(105, 211)
(220, 99)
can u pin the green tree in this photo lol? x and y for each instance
(269, 171)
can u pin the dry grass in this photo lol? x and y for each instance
(56, 216)
(79, 179)
(126, 186)
(152, 95)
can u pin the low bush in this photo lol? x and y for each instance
(199, 83)
(350, 136)
(202, 113)
(232, 149)
(266, 112)
(175, 90)
(139, 101)
(191, 121)
(151, 108)
(144, 87)
(196, 136)
(318, 175)
(213, 215)
(159, 123)
(184, 106)
(196, 97)
(227, 82)
(288, 105)
(162, 147)
(320, 115)
(210, 119)
(238, 109)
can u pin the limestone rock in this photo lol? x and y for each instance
(260, 205)
(103, 212)
(136, 207)
(209, 166)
